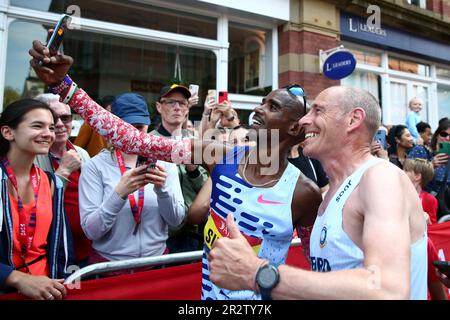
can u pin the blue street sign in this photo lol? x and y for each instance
(339, 64)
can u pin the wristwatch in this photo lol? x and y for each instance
(267, 277)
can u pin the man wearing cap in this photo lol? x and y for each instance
(126, 207)
(173, 108)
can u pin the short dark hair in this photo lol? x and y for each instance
(422, 126)
(442, 120)
(13, 115)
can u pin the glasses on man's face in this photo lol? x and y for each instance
(297, 91)
(65, 118)
(444, 134)
(172, 102)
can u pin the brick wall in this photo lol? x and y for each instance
(304, 44)
(439, 6)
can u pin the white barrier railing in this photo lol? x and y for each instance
(98, 268)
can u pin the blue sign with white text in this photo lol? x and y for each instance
(339, 65)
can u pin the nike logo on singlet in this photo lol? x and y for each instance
(261, 200)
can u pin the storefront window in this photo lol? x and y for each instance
(109, 65)
(367, 57)
(409, 66)
(132, 13)
(443, 93)
(250, 60)
(363, 80)
(443, 73)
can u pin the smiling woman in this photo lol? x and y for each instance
(30, 260)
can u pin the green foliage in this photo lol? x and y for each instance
(10, 96)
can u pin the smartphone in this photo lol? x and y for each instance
(223, 95)
(442, 266)
(57, 36)
(193, 88)
(444, 147)
(380, 136)
(141, 160)
(212, 93)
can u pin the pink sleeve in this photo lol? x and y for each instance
(127, 138)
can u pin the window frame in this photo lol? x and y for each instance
(218, 46)
(387, 75)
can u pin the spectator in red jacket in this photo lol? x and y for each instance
(421, 171)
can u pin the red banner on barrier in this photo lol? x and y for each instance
(184, 282)
(439, 233)
(171, 283)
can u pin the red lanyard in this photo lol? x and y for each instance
(26, 230)
(136, 210)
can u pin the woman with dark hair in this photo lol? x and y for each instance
(400, 142)
(35, 245)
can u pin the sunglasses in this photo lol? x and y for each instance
(444, 134)
(297, 91)
(65, 118)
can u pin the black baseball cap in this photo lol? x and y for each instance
(173, 88)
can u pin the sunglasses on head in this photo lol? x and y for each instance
(297, 91)
(444, 134)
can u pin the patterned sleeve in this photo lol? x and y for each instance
(419, 152)
(127, 138)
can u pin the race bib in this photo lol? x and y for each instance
(216, 228)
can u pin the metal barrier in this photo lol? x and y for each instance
(183, 257)
(444, 218)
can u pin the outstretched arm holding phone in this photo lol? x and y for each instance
(123, 136)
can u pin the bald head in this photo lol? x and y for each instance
(350, 98)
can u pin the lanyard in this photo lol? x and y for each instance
(26, 230)
(135, 209)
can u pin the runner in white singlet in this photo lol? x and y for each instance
(369, 238)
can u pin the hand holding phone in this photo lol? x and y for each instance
(443, 267)
(193, 100)
(193, 88)
(223, 101)
(380, 136)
